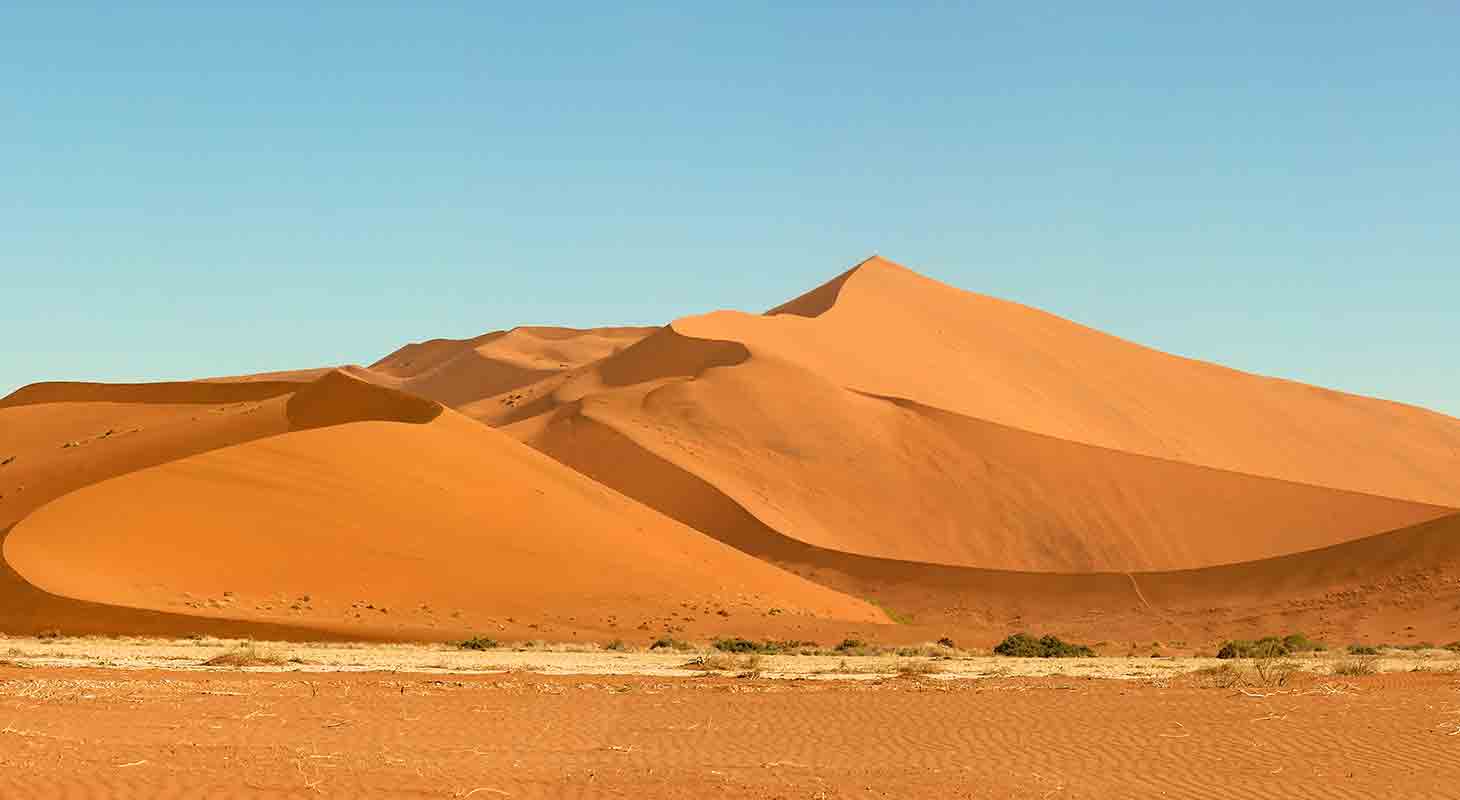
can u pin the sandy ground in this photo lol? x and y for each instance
(85, 732)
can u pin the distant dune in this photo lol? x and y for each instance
(968, 463)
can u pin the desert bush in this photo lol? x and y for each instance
(1300, 643)
(1222, 676)
(1266, 647)
(1362, 650)
(1453, 647)
(1354, 667)
(668, 643)
(1022, 645)
(1273, 670)
(769, 647)
(948, 643)
(478, 643)
(616, 645)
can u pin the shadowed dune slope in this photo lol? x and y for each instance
(390, 529)
(889, 331)
(1395, 586)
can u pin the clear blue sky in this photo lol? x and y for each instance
(194, 191)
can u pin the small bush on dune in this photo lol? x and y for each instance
(1453, 647)
(478, 643)
(1362, 650)
(1022, 645)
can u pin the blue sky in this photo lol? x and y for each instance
(188, 191)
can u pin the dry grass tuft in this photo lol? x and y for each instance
(247, 655)
(1354, 667)
(918, 668)
(724, 662)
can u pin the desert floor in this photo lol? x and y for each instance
(144, 718)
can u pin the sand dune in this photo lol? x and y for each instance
(444, 526)
(890, 331)
(459, 371)
(894, 479)
(968, 463)
(820, 429)
(1393, 586)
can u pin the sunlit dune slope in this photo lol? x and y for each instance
(388, 528)
(820, 426)
(886, 330)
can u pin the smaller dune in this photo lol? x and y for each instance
(338, 398)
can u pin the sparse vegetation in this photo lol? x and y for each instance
(857, 647)
(1222, 676)
(1354, 667)
(246, 654)
(1022, 645)
(918, 668)
(669, 643)
(1362, 650)
(50, 633)
(900, 619)
(617, 645)
(768, 647)
(478, 643)
(1269, 647)
(948, 643)
(724, 662)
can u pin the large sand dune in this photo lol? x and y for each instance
(968, 463)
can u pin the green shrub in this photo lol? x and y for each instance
(768, 647)
(1022, 645)
(1266, 647)
(736, 645)
(670, 644)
